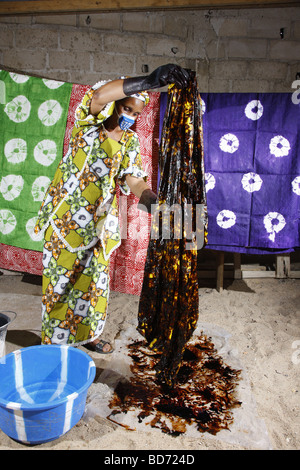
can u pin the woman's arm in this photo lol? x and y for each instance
(136, 185)
(111, 91)
(118, 89)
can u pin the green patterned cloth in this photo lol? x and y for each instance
(33, 116)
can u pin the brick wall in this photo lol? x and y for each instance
(230, 50)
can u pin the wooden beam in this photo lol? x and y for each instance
(237, 265)
(34, 7)
(220, 270)
(283, 266)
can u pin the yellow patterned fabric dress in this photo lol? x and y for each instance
(79, 215)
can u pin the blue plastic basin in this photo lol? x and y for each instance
(43, 391)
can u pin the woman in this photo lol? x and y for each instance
(80, 213)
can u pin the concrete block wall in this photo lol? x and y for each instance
(232, 50)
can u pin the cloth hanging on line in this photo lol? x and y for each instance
(252, 165)
(33, 122)
(168, 308)
(30, 261)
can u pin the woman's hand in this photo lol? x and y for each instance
(136, 185)
(140, 189)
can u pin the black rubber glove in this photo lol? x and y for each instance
(164, 75)
(147, 198)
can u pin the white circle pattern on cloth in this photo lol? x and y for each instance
(7, 221)
(276, 148)
(49, 112)
(274, 223)
(210, 181)
(229, 143)
(45, 152)
(11, 186)
(254, 110)
(226, 219)
(18, 109)
(15, 150)
(39, 187)
(296, 185)
(279, 146)
(251, 182)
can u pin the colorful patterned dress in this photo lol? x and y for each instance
(80, 217)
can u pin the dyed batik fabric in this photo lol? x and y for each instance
(252, 164)
(168, 309)
(33, 115)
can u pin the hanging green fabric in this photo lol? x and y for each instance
(33, 119)
(168, 309)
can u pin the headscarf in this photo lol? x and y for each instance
(142, 95)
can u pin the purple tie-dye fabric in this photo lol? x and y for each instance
(252, 166)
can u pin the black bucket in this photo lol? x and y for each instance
(5, 319)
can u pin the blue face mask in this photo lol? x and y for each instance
(125, 121)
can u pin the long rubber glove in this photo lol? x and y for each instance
(164, 75)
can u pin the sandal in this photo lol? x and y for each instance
(99, 347)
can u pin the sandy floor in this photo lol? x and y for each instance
(260, 319)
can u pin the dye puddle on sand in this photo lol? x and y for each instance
(212, 397)
(204, 393)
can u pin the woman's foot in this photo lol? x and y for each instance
(100, 346)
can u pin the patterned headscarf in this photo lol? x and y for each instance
(143, 96)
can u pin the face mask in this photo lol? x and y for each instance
(125, 121)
